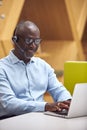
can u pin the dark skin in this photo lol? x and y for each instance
(27, 30)
(58, 106)
(30, 30)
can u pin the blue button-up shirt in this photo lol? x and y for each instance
(22, 86)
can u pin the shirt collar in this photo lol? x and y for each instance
(14, 59)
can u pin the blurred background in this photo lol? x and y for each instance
(63, 26)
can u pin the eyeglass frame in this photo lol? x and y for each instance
(33, 40)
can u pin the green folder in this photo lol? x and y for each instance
(74, 72)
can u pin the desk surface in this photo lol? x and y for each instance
(39, 121)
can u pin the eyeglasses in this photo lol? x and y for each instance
(37, 41)
(29, 41)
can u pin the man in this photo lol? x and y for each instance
(24, 78)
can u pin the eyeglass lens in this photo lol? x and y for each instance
(31, 40)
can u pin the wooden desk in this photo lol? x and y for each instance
(39, 121)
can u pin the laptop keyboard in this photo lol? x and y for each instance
(63, 112)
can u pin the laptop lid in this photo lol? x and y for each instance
(78, 106)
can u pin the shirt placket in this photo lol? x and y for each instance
(29, 80)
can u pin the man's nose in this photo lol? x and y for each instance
(32, 44)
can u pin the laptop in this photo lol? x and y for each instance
(78, 106)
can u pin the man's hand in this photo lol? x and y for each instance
(58, 106)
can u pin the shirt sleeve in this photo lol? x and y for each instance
(56, 88)
(12, 105)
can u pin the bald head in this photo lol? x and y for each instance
(27, 27)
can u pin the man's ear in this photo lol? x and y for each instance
(14, 39)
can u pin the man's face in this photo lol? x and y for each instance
(29, 45)
(28, 41)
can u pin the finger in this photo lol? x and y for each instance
(58, 108)
(62, 105)
(67, 102)
(58, 104)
